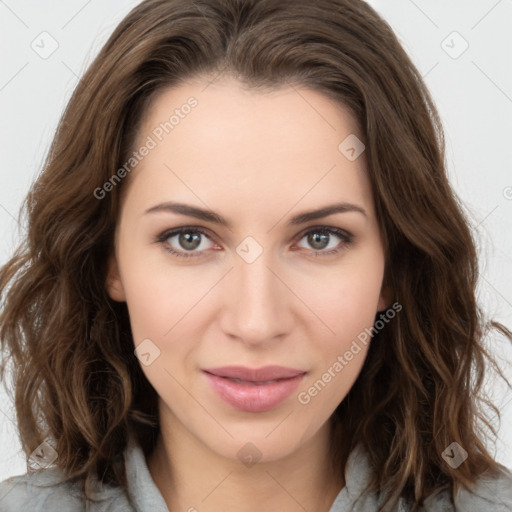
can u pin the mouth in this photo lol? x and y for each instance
(254, 390)
(265, 374)
(253, 383)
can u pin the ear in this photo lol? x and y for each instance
(113, 283)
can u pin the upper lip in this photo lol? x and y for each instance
(255, 374)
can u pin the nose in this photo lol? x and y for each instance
(257, 307)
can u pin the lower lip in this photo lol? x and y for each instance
(254, 397)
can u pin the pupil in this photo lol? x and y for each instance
(319, 238)
(189, 241)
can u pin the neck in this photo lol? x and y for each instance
(192, 477)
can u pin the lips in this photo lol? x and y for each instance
(267, 373)
(254, 389)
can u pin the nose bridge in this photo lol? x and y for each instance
(258, 306)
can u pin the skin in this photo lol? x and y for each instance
(257, 159)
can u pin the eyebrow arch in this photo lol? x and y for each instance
(215, 218)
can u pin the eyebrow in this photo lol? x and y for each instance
(215, 218)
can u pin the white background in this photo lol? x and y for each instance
(473, 93)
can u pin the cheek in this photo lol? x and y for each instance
(164, 319)
(346, 300)
(157, 295)
(146, 306)
(359, 297)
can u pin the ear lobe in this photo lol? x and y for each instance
(113, 283)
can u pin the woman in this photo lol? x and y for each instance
(246, 282)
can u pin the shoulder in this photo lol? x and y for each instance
(41, 490)
(490, 494)
(48, 489)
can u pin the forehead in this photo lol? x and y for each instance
(225, 108)
(243, 144)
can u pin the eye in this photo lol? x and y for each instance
(323, 240)
(190, 242)
(186, 242)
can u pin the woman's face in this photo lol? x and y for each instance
(270, 285)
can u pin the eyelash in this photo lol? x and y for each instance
(345, 236)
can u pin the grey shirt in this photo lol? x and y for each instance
(45, 491)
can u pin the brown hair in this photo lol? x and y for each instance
(76, 378)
